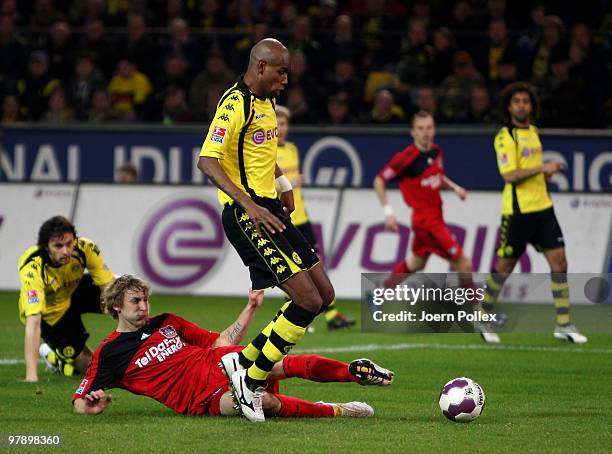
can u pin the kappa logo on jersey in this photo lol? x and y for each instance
(218, 134)
(161, 351)
(82, 386)
(260, 116)
(168, 331)
(33, 297)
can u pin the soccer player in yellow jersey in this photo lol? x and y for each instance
(288, 159)
(55, 292)
(527, 210)
(239, 157)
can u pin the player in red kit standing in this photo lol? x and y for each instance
(420, 172)
(176, 362)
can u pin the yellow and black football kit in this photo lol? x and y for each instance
(527, 215)
(61, 294)
(527, 210)
(288, 159)
(243, 136)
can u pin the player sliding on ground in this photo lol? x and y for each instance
(176, 363)
(239, 157)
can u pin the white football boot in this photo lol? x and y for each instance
(487, 332)
(44, 351)
(250, 402)
(352, 409)
(569, 333)
(370, 373)
(229, 363)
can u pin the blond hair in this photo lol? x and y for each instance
(114, 292)
(284, 112)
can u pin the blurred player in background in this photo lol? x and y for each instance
(420, 173)
(288, 159)
(175, 362)
(527, 210)
(127, 173)
(55, 292)
(239, 156)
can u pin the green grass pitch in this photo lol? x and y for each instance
(541, 395)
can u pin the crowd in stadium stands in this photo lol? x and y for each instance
(352, 61)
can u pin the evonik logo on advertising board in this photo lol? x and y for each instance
(180, 242)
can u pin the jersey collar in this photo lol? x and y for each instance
(243, 87)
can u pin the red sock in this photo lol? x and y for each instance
(272, 386)
(397, 275)
(292, 407)
(316, 368)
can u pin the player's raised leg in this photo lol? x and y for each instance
(289, 327)
(402, 269)
(320, 369)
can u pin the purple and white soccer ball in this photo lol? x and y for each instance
(462, 400)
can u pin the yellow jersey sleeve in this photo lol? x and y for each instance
(225, 126)
(100, 273)
(32, 294)
(505, 148)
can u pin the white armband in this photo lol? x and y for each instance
(388, 209)
(283, 184)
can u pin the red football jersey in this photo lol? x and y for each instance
(420, 177)
(169, 359)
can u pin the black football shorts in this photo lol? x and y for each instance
(272, 258)
(68, 336)
(540, 228)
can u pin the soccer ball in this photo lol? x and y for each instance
(462, 400)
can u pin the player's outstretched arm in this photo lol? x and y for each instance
(93, 403)
(234, 333)
(259, 215)
(381, 191)
(31, 344)
(447, 183)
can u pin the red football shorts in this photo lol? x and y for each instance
(435, 238)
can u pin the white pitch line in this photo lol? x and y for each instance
(417, 346)
(436, 346)
(10, 361)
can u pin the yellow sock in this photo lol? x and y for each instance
(330, 311)
(287, 330)
(560, 291)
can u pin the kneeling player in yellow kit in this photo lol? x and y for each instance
(55, 292)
